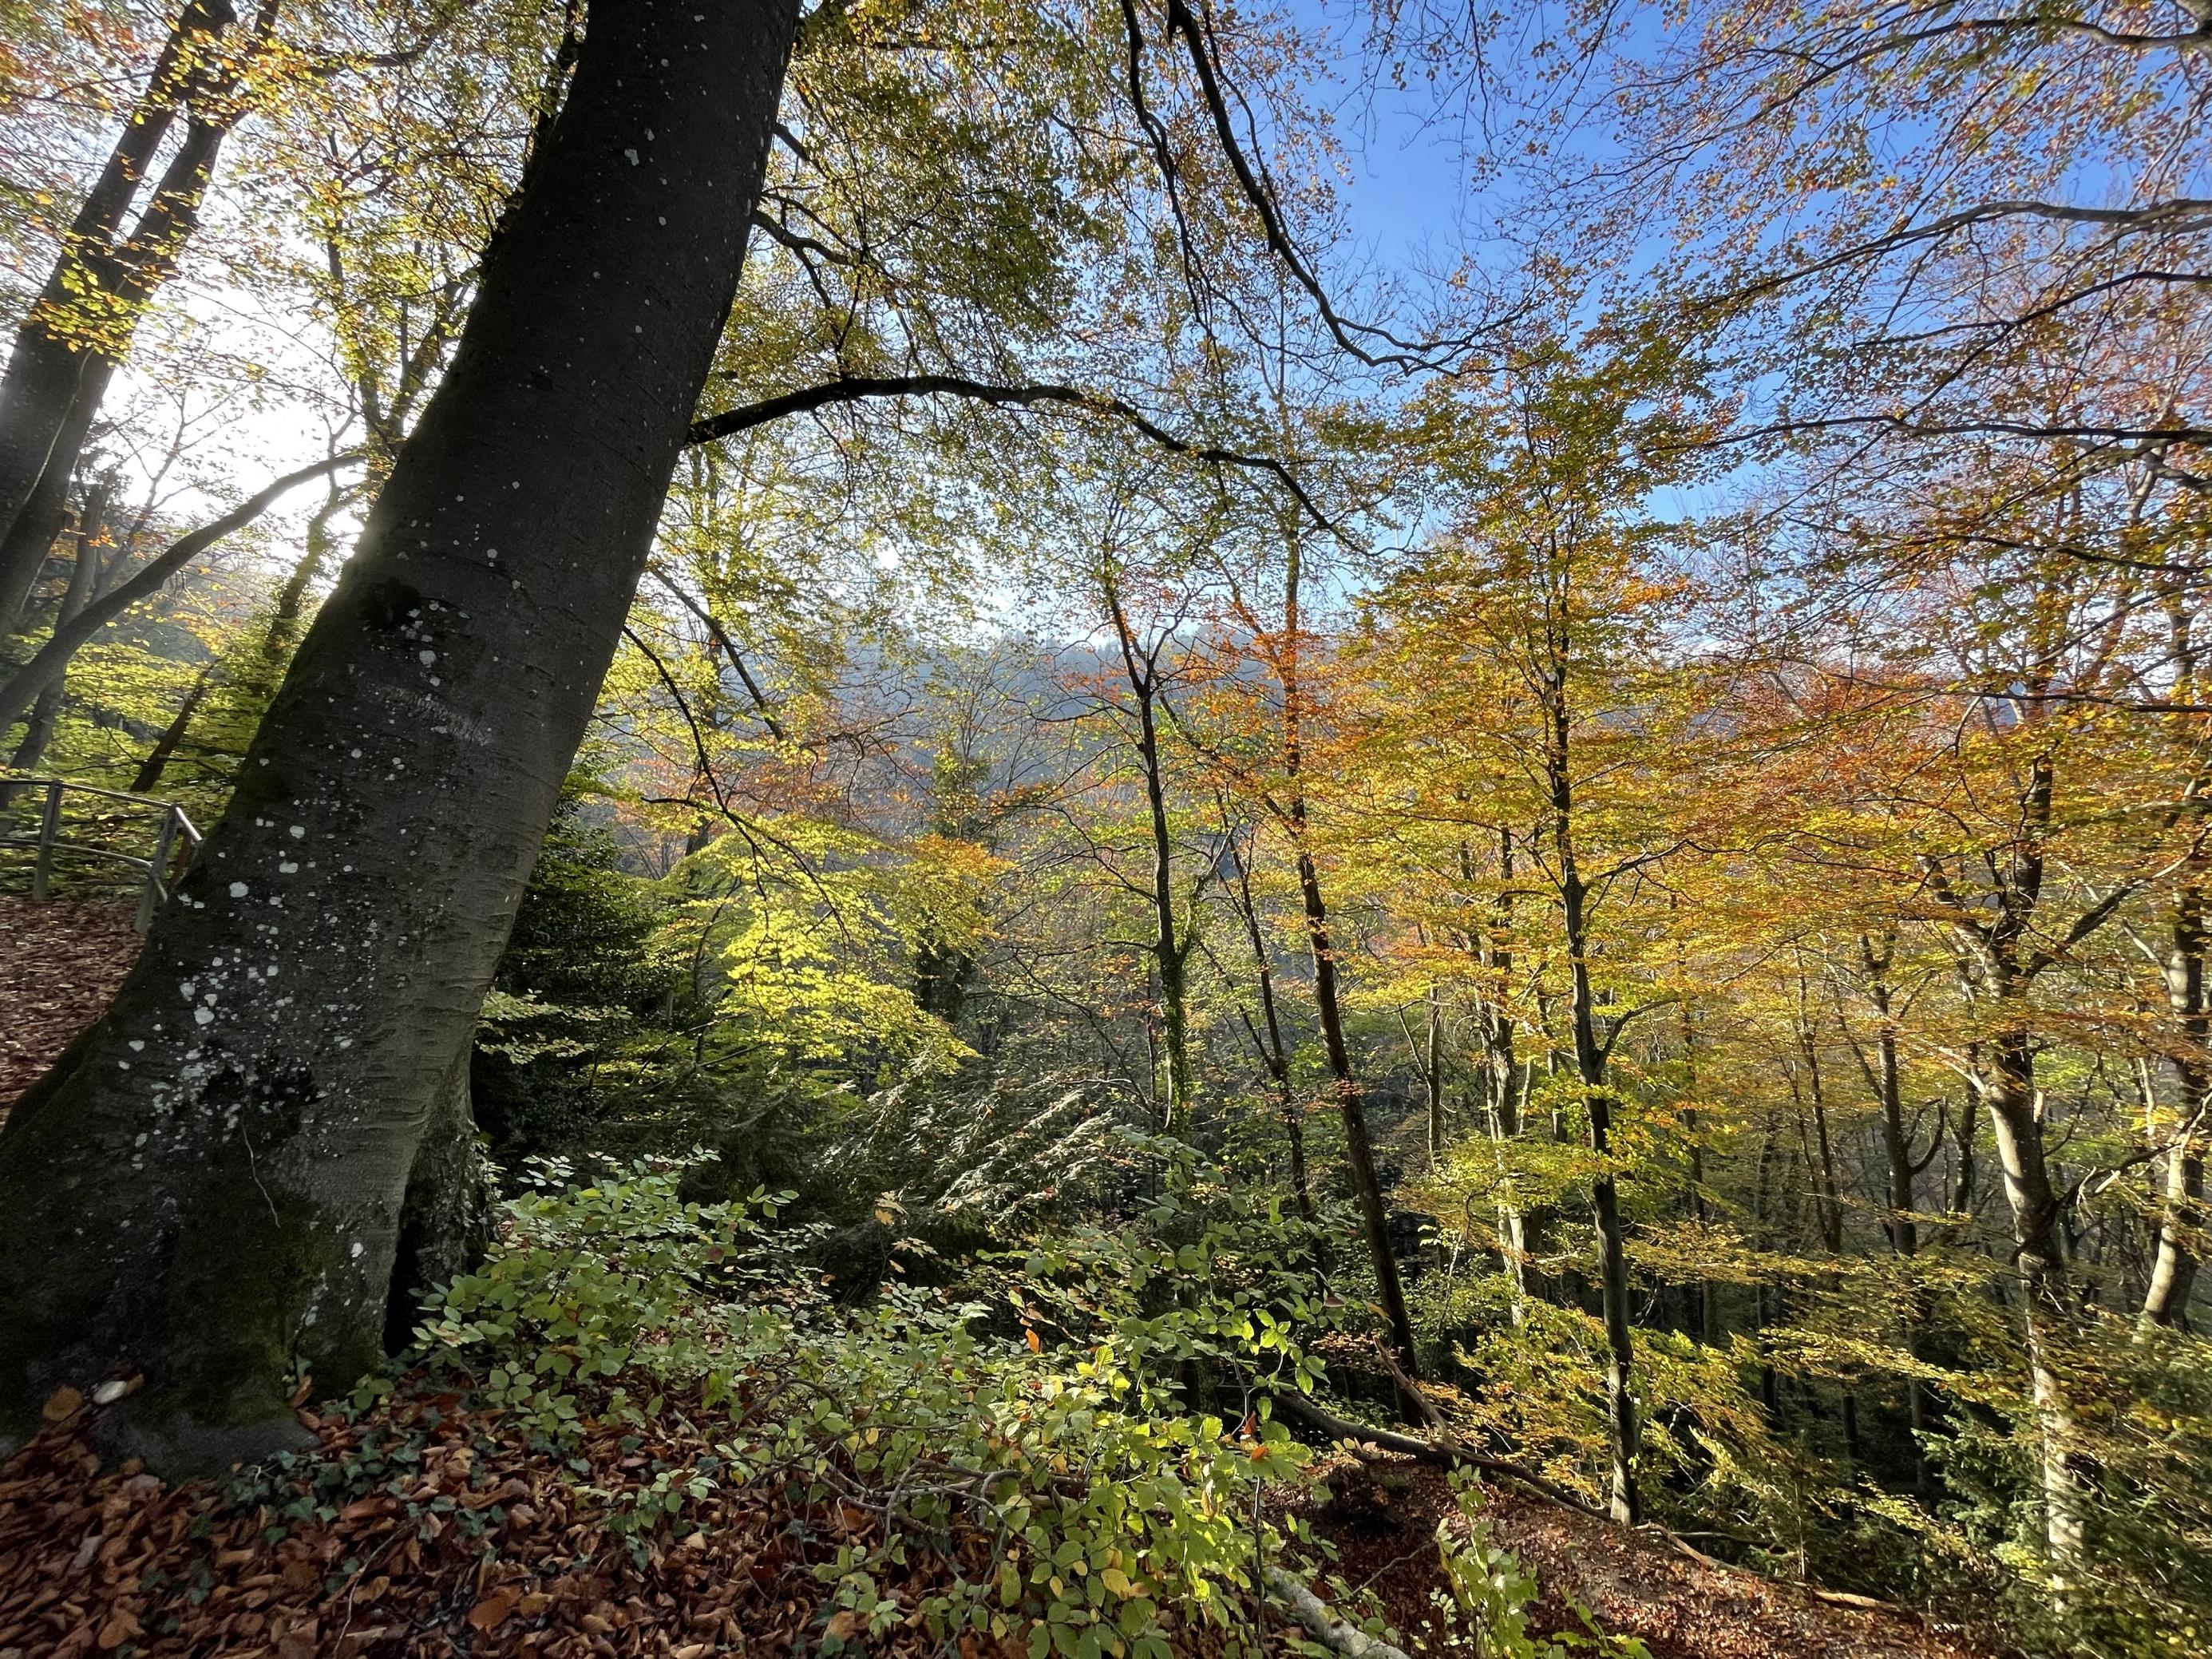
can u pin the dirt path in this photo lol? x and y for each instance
(60, 963)
(1383, 1519)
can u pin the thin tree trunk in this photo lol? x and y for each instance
(1351, 1108)
(38, 728)
(2007, 1083)
(1829, 1194)
(1505, 1080)
(1274, 1053)
(1432, 1073)
(1351, 1104)
(211, 1190)
(1590, 1057)
(1170, 941)
(1767, 1309)
(81, 327)
(1902, 1225)
(155, 766)
(2181, 1218)
(40, 383)
(1708, 1317)
(50, 660)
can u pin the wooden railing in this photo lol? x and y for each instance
(174, 838)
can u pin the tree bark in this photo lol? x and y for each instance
(2181, 1218)
(212, 1189)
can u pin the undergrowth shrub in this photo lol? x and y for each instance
(1099, 1413)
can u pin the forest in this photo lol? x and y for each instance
(1106, 828)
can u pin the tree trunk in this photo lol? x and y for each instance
(1829, 1193)
(1274, 1053)
(1351, 1107)
(80, 328)
(2006, 1083)
(1432, 1073)
(1612, 1239)
(212, 1189)
(155, 766)
(39, 727)
(1590, 1056)
(2173, 1272)
(446, 1220)
(1903, 1225)
(1504, 1078)
(28, 544)
(1767, 1307)
(51, 659)
(1170, 941)
(43, 369)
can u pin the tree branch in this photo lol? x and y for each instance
(855, 388)
(53, 658)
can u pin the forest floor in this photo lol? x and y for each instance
(60, 963)
(423, 1530)
(429, 1531)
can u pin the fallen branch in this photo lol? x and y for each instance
(1448, 1451)
(1324, 1626)
(1429, 1451)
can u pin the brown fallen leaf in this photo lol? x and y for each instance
(122, 1625)
(62, 1404)
(494, 1610)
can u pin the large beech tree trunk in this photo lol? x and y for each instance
(210, 1188)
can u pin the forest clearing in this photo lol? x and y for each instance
(1114, 829)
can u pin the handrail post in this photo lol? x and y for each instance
(50, 829)
(157, 870)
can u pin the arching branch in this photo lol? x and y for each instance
(856, 388)
(22, 688)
